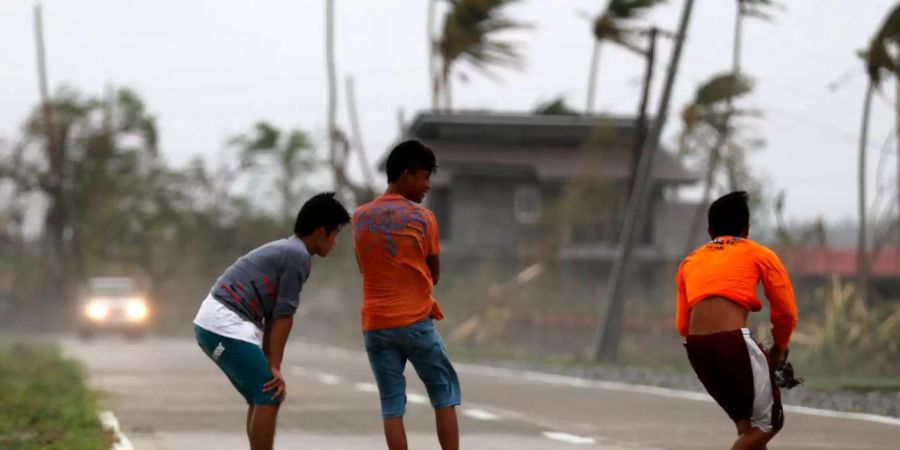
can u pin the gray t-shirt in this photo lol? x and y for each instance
(265, 284)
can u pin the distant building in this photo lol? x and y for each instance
(509, 181)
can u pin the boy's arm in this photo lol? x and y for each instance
(433, 248)
(434, 265)
(780, 292)
(682, 315)
(274, 340)
(276, 334)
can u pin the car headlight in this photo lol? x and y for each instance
(136, 310)
(96, 311)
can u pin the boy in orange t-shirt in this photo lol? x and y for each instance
(716, 292)
(397, 248)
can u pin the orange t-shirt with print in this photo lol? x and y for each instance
(392, 237)
(732, 268)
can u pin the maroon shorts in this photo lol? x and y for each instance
(738, 375)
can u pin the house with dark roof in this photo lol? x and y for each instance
(514, 186)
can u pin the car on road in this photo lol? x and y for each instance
(113, 304)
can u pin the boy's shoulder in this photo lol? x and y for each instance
(391, 205)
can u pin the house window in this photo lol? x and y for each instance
(527, 204)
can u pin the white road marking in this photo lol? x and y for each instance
(327, 378)
(111, 424)
(479, 414)
(365, 387)
(417, 399)
(568, 438)
(562, 380)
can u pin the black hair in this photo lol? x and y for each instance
(409, 155)
(729, 215)
(322, 210)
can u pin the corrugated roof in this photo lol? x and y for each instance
(557, 148)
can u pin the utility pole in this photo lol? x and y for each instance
(606, 340)
(650, 57)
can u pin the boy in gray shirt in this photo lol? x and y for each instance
(244, 322)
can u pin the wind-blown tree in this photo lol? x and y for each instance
(118, 191)
(555, 107)
(705, 129)
(615, 25)
(291, 154)
(469, 35)
(879, 62)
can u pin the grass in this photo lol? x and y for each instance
(853, 383)
(44, 403)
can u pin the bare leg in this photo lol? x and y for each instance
(750, 437)
(262, 427)
(447, 428)
(395, 433)
(249, 418)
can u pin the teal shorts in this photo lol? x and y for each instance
(244, 364)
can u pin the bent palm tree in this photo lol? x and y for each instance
(468, 35)
(613, 25)
(708, 118)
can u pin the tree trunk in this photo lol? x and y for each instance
(432, 72)
(592, 78)
(862, 260)
(57, 216)
(732, 159)
(607, 338)
(368, 176)
(332, 98)
(445, 81)
(715, 155)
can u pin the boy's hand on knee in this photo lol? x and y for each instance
(276, 384)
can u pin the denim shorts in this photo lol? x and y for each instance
(243, 363)
(421, 344)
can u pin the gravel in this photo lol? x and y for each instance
(880, 403)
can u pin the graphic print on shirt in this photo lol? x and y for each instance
(388, 220)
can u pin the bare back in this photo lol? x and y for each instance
(717, 314)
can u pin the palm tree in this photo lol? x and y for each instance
(292, 154)
(613, 25)
(468, 36)
(706, 123)
(745, 8)
(878, 61)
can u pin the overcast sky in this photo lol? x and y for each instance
(210, 69)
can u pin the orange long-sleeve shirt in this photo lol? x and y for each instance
(731, 268)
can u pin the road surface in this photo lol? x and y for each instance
(167, 395)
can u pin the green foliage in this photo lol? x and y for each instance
(131, 213)
(45, 404)
(469, 36)
(850, 336)
(555, 107)
(878, 58)
(614, 24)
(292, 154)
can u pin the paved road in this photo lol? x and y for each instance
(168, 395)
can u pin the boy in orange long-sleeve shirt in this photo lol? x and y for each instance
(716, 292)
